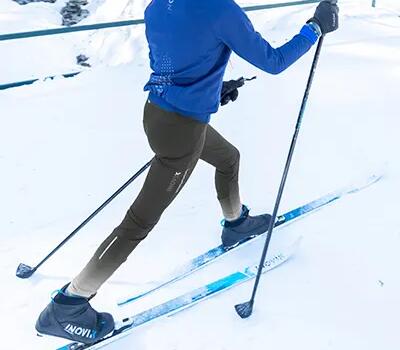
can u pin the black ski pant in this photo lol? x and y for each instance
(178, 143)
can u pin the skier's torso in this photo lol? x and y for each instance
(190, 44)
(186, 57)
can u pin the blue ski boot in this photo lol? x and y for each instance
(244, 228)
(73, 318)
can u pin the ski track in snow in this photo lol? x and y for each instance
(66, 145)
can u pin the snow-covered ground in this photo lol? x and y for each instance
(65, 145)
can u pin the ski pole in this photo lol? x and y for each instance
(25, 271)
(245, 310)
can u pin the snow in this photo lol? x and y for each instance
(67, 144)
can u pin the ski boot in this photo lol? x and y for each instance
(243, 228)
(72, 317)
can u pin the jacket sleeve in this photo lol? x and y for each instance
(236, 31)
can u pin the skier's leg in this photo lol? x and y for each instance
(177, 142)
(225, 157)
(238, 224)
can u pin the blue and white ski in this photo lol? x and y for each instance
(282, 220)
(128, 325)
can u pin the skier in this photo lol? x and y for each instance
(190, 44)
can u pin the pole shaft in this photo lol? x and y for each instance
(287, 166)
(91, 216)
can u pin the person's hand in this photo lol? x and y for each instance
(230, 90)
(326, 16)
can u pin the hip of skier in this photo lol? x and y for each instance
(190, 44)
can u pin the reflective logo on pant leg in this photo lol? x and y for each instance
(177, 181)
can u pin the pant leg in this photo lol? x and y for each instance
(225, 157)
(177, 143)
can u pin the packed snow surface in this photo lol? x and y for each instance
(67, 144)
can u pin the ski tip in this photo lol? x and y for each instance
(375, 178)
(292, 248)
(296, 243)
(368, 182)
(24, 271)
(244, 310)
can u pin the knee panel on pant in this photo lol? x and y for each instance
(133, 228)
(235, 157)
(231, 164)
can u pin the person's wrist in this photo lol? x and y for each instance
(311, 32)
(315, 26)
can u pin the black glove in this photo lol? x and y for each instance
(230, 90)
(326, 16)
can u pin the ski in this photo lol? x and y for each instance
(184, 301)
(282, 220)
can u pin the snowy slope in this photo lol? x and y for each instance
(66, 145)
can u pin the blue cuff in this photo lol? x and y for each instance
(311, 32)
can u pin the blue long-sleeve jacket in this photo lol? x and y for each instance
(190, 45)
